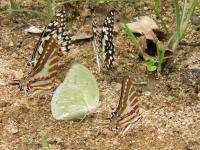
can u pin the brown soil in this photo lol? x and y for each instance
(27, 123)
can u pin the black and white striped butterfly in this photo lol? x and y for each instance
(103, 40)
(57, 30)
(127, 112)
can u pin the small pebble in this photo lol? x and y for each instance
(12, 127)
(145, 8)
(195, 20)
(147, 93)
(11, 44)
(198, 96)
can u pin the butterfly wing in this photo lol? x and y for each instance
(42, 76)
(96, 41)
(56, 29)
(107, 39)
(96, 33)
(128, 108)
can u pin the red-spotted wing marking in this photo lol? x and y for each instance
(57, 30)
(103, 40)
(127, 111)
(42, 77)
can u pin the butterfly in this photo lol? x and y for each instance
(57, 30)
(127, 111)
(103, 40)
(43, 75)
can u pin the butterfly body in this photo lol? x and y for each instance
(103, 40)
(127, 111)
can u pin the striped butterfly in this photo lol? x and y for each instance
(45, 60)
(103, 40)
(127, 111)
(42, 77)
(57, 30)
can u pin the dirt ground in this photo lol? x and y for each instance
(27, 123)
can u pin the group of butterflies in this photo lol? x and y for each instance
(54, 42)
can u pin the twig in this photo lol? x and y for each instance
(189, 44)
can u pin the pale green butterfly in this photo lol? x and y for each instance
(77, 96)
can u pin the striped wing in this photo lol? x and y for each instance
(103, 40)
(57, 30)
(127, 111)
(42, 77)
(107, 39)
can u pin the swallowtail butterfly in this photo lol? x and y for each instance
(57, 30)
(42, 77)
(127, 111)
(103, 40)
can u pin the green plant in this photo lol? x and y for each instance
(24, 10)
(51, 5)
(182, 20)
(169, 98)
(157, 10)
(15, 7)
(132, 37)
(103, 1)
(150, 63)
(44, 143)
(13, 4)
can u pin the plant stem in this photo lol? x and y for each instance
(157, 11)
(181, 25)
(13, 4)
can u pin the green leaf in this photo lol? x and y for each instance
(77, 96)
(151, 68)
(169, 98)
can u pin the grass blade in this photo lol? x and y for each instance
(132, 37)
(24, 10)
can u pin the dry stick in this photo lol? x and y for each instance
(14, 83)
(189, 44)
